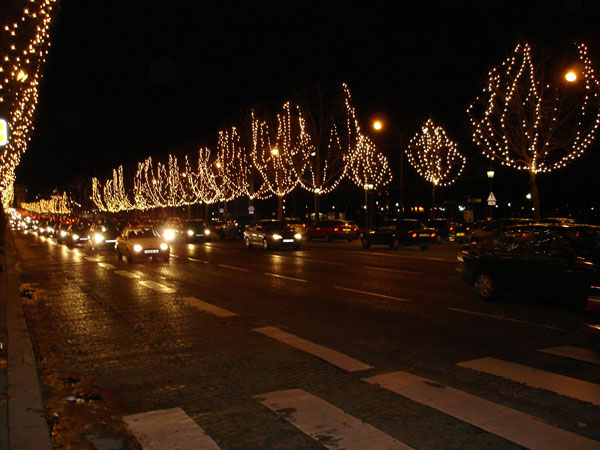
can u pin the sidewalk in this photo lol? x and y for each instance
(23, 424)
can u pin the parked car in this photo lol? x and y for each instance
(196, 230)
(443, 227)
(77, 234)
(141, 242)
(400, 232)
(103, 235)
(491, 227)
(551, 262)
(271, 233)
(333, 229)
(298, 225)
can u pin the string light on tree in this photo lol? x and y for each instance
(536, 118)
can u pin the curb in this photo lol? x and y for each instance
(27, 425)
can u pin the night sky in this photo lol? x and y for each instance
(130, 79)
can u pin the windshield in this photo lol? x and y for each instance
(143, 233)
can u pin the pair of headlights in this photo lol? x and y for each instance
(278, 237)
(138, 248)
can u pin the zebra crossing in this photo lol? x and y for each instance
(333, 428)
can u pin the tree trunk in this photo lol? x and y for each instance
(317, 205)
(535, 195)
(432, 201)
(279, 206)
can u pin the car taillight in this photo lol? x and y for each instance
(432, 234)
(414, 235)
(336, 229)
(451, 228)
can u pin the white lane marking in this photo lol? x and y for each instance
(169, 429)
(578, 353)
(371, 293)
(92, 258)
(106, 265)
(541, 379)
(156, 286)
(125, 273)
(325, 423)
(320, 261)
(331, 356)
(515, 426)
(286, 278)
(508, 319)
(428, 258)
(212, 309)
(242, 269)
(385, 269)
(174, 255)
(198, 260)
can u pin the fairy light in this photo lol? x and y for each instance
(532, 125)
(232, 166)
(57, 204)
(435, 156)
(27, 43)
(366, 167)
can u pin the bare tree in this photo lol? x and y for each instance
(533, 117)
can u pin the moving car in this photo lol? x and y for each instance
(538, 261)
(491, 227)
(298, 225)
(141, 242)
(400, 232)
(442, 226)
(333, 229)
(271, 233)
(195, 230)
(77, 234)
(61, 232)
(103, 235)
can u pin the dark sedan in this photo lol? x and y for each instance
(333, 229)
(272, 234)
(537, 260)
(78, 233)
(196, 230)
(103, 235)
(401, 232)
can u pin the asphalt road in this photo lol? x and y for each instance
(329, 346)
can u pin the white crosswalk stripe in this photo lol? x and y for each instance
(559, 384)
(500, 420)
(204, 306)
(325, 423)
(156, 286)
(169, 429)
(577, 353)
(331, 356)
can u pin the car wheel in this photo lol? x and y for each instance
(308, 237)
(129, 257)
(485, 286)
(425, 247)
(296, 247)
(248, 243)
(265, 244)
(119, 255)
(395, 244)
(328, 238)
(349, 239)
(438, 240)
(366, 243)
(221, 236)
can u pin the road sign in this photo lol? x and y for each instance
(491, 200)
(3, 132)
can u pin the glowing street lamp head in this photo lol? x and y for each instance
(377, 125)
(218, 164)
(571, 76)
(275, 151)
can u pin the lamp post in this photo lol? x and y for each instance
(379, 126)
(491, 199)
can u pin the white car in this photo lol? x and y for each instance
(141, 242)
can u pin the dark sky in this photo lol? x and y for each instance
(129, 79)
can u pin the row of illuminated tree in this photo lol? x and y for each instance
(530, 117)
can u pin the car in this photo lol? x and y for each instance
(171, 229)
(271, 233)
(238, 224)
(195, 230)
(141, 242)
(298, 225)
(220, 229)
(400, 232)
(491, 227)
(61, 232)
(333, 229)
(537, 261)
(443, 227)
(78, 233)
(103, 235)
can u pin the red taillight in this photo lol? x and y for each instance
(414, 235)
(303, 225)
(432, 234)
(336, 229)
(468, 228)
(451, 228)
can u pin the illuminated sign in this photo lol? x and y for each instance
(3, 132)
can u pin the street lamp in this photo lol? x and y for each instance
(379, 126)
(571, 76)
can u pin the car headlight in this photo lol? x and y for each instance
(297, 236)
(137, 248)
(98, 238)
(169, 235)
(75, 237)
(277, 237)
(164, 247)
(206, 232)
(63, 233)
(190, 232)
(49, 229)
